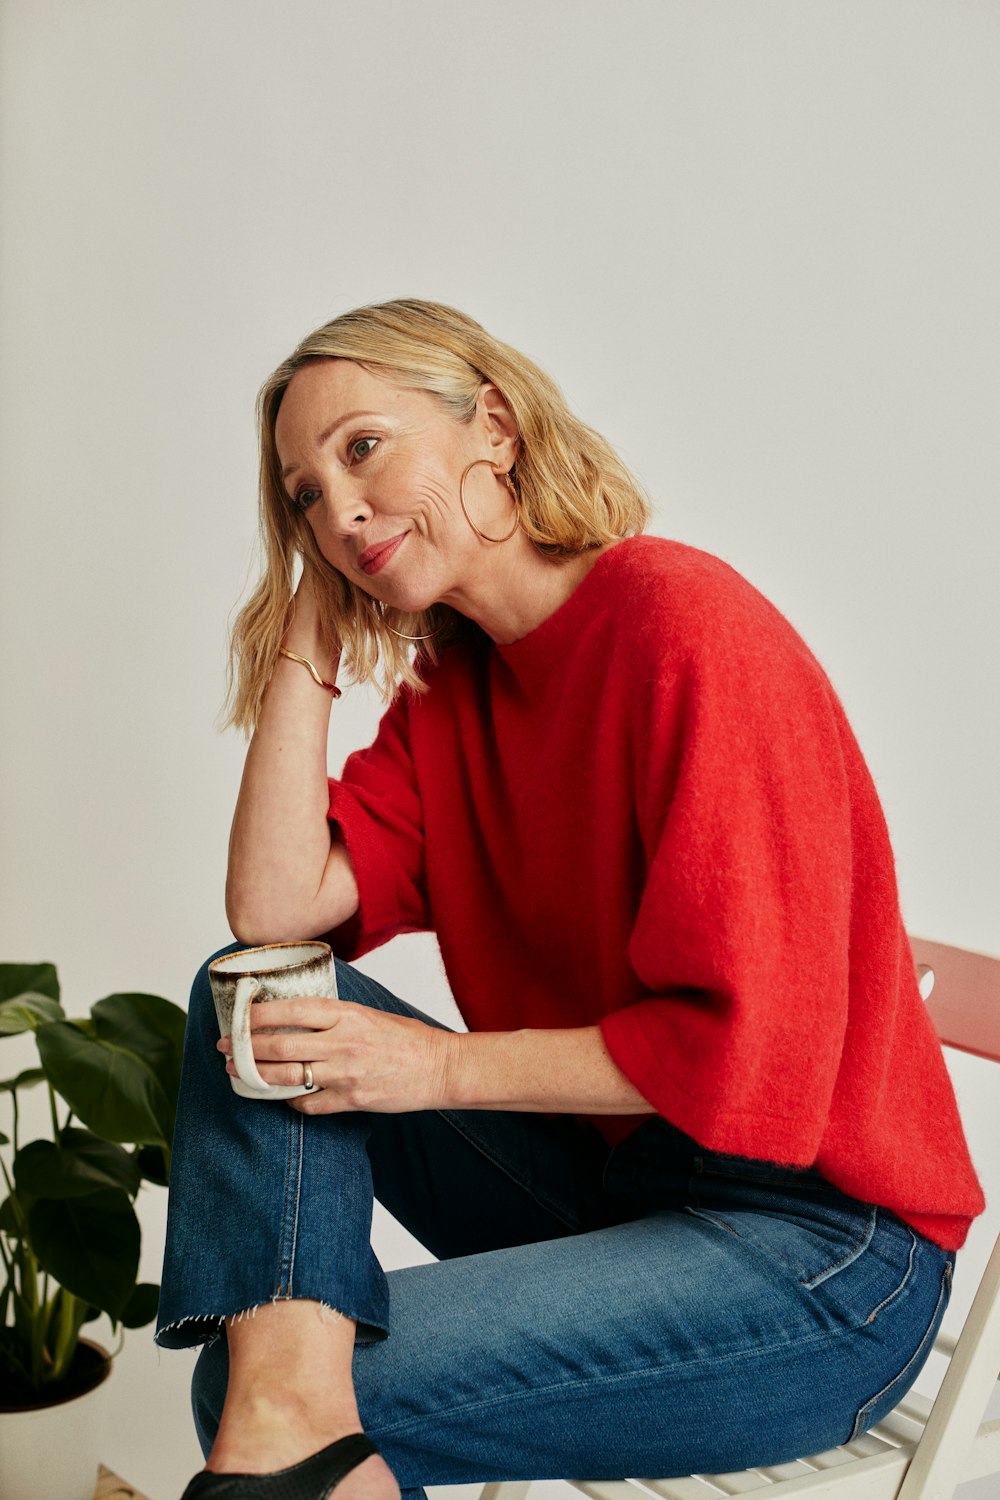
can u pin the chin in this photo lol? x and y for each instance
(412, 600)
(407, 604)
(417, 607)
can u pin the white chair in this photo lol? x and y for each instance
(923, 1449)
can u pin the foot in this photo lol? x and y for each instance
(272, 1440)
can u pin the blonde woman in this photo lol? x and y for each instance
(694, 1176)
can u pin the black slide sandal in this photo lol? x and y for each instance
(312, 1479)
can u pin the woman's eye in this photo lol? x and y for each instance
(302, 499)
(363, 446)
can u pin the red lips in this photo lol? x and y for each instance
(375, 558)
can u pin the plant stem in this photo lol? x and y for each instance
(8, 1286)
(70, 1313)
(35, 1326)
(55, 1117)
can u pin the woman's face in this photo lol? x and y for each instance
(375, 469)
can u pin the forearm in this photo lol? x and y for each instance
(285, 879)
(568, 1071)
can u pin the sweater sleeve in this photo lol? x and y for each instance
(742, 935)
(375, 808)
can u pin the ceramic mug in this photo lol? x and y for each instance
(277, 971)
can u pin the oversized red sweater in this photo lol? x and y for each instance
(650, 814)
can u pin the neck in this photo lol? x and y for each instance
(519, 587)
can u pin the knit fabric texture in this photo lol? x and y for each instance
(651, 815)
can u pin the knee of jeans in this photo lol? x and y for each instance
(208, 1390)
(351, 983)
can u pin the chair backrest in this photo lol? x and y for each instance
(964, 998)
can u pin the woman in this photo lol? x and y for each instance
(695, 1176)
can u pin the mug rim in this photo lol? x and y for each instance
(323, 950)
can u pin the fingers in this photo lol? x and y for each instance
(314, 1011)
(322, 1102)
(280, 1054)
(282, 1046)
(310, 1012)
(279, 1075)
(361, 1059)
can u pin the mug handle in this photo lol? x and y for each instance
(246, 1066)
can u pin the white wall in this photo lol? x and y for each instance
(757, 245)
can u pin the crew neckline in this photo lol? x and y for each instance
(544, 646)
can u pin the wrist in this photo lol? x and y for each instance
(312, 669)
(447, 1071)
(309, 642)
(564, 1071)
(305, 638)
(304, 632)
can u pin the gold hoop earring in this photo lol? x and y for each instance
(465, 509)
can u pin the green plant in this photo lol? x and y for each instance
(69, 1235)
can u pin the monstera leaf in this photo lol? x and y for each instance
(81, 1163)
(114, 1092)
(90, 1245)
(22, 979)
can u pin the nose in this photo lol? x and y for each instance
(347, 511)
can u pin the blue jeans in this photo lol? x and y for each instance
(648, 1309)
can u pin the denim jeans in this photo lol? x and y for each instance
(649, 1309)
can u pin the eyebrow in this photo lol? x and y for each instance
(327, 434)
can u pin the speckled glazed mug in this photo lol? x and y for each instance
(277, 971)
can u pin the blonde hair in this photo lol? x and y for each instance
(573, 490)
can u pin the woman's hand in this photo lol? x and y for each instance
(361, 1059)
(304, 632)
(365, 1059)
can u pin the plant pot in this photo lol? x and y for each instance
(51, 1450)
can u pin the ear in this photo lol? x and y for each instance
(496, 422)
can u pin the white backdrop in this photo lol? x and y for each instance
(756, 244)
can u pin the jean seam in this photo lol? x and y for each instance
(716, 1219)
(861, 1420)
(894, 1294)
(590, 1382)
(288, 1233)
(852, 1255)
(856, 1251)
(452, 1119)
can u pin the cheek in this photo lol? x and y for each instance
(317, 523)
(431, 495)
(330, 545)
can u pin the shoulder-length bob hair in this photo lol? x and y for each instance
(573, 491)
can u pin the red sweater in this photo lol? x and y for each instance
(650, 814)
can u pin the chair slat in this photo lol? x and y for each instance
(833, 1458)
(505, 1489)
(965, 1001)
(897, 1427)
(613, 1489)
(916, 1407)
(742, 1482)
(867, 1445)
(691, 1487)
(776, 1472)
(874, 1478)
